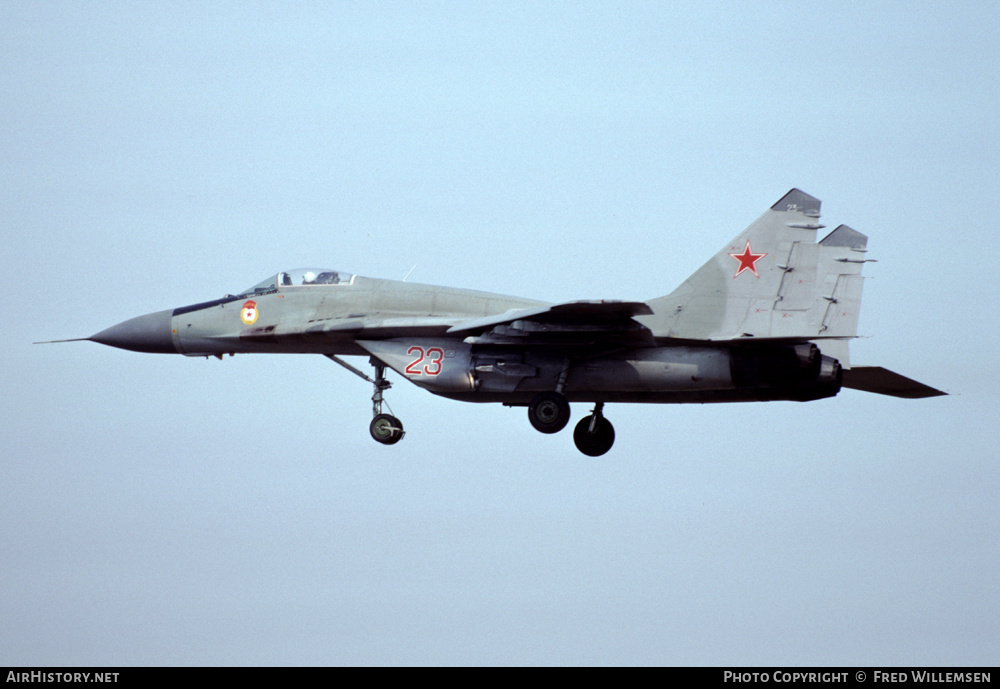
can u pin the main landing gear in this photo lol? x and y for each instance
(549, 413)
(384, 428)
(594, 435)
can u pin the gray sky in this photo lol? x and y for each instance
(163, 510)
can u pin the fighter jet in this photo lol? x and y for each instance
(769, 317)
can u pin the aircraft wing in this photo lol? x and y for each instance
(885, 382)
(573, 312)
(570, 323)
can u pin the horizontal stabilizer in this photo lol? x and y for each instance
(885, 382)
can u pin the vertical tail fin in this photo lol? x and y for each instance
(839, 284)
(773, 281)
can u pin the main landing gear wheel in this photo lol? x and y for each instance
(594, 435)
(386, 429)
(549, 412)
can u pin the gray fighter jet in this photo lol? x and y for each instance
(769, 317)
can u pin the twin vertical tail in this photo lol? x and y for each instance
(774, 280)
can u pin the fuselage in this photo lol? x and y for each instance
(406, 326)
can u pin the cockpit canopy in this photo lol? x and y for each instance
(300, 277)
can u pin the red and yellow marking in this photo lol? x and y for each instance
(249, 313)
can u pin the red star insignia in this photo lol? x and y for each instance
(747, 260)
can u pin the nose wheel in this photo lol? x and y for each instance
(386, 429)
(594, 435)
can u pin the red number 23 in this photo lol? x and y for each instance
(428, 362)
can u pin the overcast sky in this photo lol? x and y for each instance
(163, 510)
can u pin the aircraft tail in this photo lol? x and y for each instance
(774, 280)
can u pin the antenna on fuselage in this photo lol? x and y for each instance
(410, 273)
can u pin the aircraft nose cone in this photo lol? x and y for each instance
(149, 333)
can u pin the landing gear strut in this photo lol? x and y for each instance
(594, 435)
(384, 428)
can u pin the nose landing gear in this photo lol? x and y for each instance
(384, 428)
